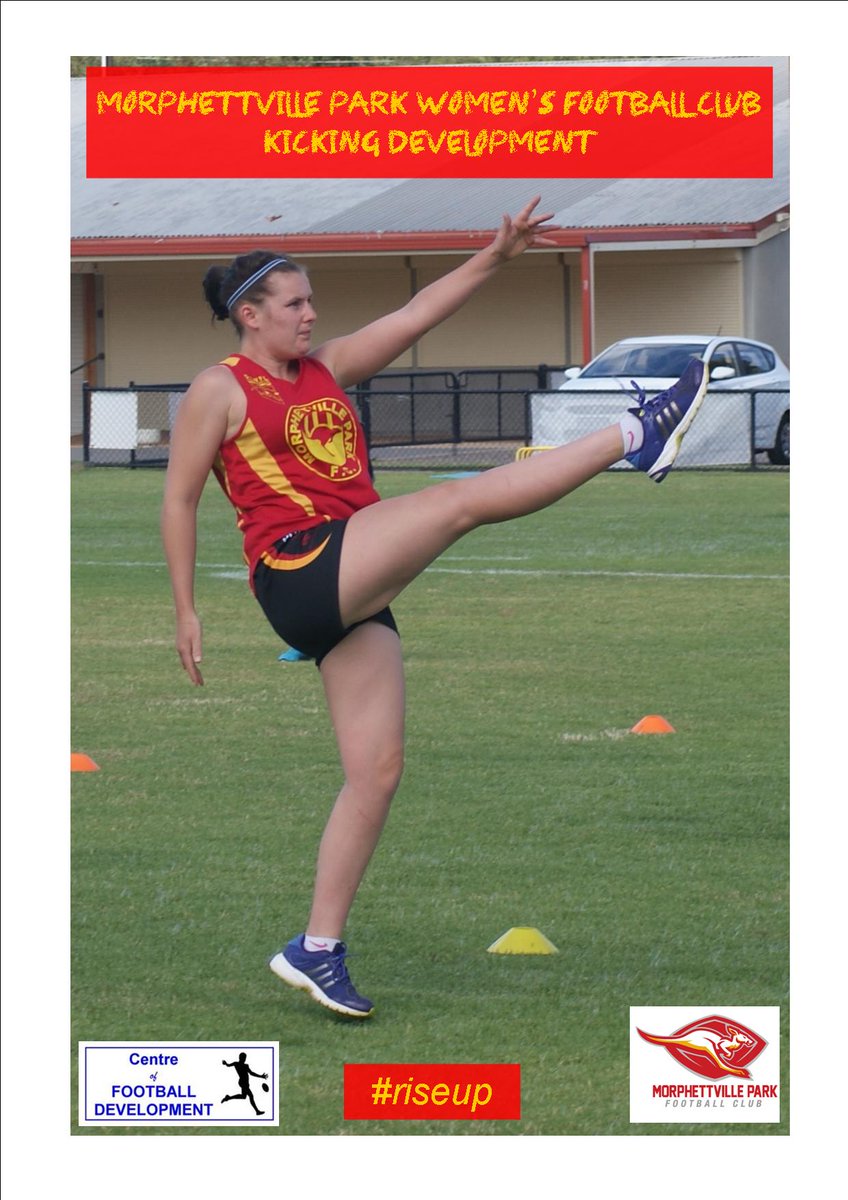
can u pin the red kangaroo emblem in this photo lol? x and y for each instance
(712, 1046)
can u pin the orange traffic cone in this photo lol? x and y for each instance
(653, 724)
(81, 762)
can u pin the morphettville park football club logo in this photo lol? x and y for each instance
(712, 1046)
(704, 1065)
(323, 436)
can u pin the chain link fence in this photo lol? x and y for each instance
(738, 427)
(431, 420)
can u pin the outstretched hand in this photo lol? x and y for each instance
(522, 232)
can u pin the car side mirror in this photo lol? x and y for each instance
(572, 372)
(722, 373)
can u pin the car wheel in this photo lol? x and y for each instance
(779, 455)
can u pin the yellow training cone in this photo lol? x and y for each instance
(523, 939)
(653, 724)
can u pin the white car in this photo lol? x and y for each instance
(746, 410)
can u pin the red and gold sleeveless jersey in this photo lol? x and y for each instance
(299, 458)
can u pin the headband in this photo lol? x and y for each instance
(254, 278)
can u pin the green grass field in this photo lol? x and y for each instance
(658, 865)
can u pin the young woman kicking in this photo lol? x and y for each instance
(326, 555)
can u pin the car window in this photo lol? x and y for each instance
(724, 356)
(653, 360)
(754, 360)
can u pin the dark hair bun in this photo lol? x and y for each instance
(212, 291)
(246, 277)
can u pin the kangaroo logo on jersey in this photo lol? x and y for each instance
(323, 436)
(712, 1047)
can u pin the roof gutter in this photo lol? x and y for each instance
(423, 242)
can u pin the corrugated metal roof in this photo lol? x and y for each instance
(170, 208)
(576, 203)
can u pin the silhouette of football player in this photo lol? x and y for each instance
(244, 1073)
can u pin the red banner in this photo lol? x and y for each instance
(429, 122)
(432, 1091)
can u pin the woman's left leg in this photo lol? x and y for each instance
(364, 685)
(363, 681)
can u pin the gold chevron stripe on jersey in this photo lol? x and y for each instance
(260, 459)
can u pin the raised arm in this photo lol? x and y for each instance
(359, 355)
(199, 430)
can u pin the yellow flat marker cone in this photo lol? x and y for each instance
(81, 762)
(523, 939)
(653, 724)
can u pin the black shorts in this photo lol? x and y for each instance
(299, 593)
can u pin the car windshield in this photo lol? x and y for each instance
(659, 361)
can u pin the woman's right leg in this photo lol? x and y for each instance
(390, 543)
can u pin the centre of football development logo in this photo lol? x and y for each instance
(179, 1083)
(323, 436)
(688, 1066)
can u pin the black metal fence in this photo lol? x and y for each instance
(445, 419)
